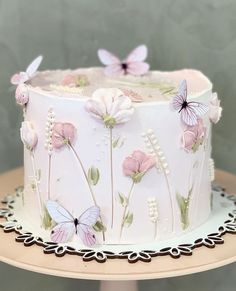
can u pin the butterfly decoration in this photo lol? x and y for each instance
(133, 64)
(190, 111)
(30, 71)
(67, 225)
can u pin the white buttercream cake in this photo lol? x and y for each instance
(116, 159)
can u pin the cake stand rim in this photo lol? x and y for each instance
(117, 269)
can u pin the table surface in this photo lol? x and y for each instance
(34, 259)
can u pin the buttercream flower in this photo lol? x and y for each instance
(136, 165)
(215, 111)
(193, 136)
(75, 80)
(22, 94)
(28, 135)
(63, 134)
(111, 106)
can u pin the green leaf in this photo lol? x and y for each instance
(128, 220)
(99, 227)
(93, 176)
(115, 142)
(38, 175)
(183, 204)
(123, 199)
(47, 222)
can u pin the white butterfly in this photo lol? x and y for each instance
(133, 64)
(23, 77)
(67, 225)
(190, 111)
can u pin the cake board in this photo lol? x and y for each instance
(115, 274)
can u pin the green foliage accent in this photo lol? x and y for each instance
(47, 222)
(99, 227)
(38, 174)
(128, 220)
(123, 199)
(183, 204)
(93, 176)
(137, 177)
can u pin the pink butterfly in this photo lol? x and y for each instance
(190, 111)
(23, 77)
(67, 225)
(133, 64)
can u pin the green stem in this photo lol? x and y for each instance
(126, 207)
(86, 178)
(36, 183)
(49, 176)
(112, 178)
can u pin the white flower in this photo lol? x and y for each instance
(111, 106)
(28, 135)
(215, 111)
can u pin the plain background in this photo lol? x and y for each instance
(179, 34)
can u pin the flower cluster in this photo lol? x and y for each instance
(28, 135)
(22, 94)
(49, 126)
(111, 106)
(73, 80)
(215, 111)
(152, 209)
(136, 165)
(62, 134)
(193, 136)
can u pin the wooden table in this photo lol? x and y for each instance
(34, 259)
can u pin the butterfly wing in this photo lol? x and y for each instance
(58, 213)
(107, 58)
(33, 66)
(114, 70)
(199, 108)
(137, 68)
(85, 234)
(19, 78)
(181, 97)
(188, 116)
(63, 232)
(90, 216)
(139, 54)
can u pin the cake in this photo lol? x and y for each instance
(116, 155)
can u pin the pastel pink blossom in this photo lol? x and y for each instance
(215, 111)
(193, 136)
(22, 94)
(73, 80)
(134, 96)
(28, 135)
(136, 165)
(111, 106)
(63, 134)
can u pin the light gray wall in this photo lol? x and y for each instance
(179, 33)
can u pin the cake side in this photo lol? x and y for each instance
(151, 168)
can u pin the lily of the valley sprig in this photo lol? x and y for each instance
(134, 166)
(153, 213)
(64, 135)
(161, 165)
(111, 107)
(29, 138)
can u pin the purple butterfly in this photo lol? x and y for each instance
(22, 77)
(67, 225)
(190, 111)
(133, 64)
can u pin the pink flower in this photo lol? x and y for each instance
(136, 165)
(193, 136)
(75, 80)
(215, 109)
(22, 94)
(111, 106)
(28, 135)
(63, 134)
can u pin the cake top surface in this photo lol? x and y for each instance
(153, 86)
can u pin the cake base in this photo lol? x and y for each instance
(209, 234)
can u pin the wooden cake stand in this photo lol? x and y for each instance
(114, 274)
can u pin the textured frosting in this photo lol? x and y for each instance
(173, 196)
